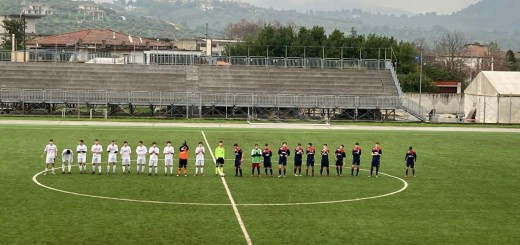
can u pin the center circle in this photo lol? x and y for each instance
(404, 187)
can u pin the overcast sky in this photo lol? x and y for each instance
(416, 6)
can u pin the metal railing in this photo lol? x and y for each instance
(199, 99)
(195, 60)
(414, 108)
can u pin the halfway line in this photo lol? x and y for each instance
(233, 204)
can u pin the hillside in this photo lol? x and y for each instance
(187, 18)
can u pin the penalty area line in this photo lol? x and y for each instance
(233, 204)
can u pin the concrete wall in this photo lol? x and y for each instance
(442, 103)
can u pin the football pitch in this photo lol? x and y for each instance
(466, 190)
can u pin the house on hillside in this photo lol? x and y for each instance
(29, 8)
(97, 45)
(92, 11)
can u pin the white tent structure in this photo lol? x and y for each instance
(493, 97)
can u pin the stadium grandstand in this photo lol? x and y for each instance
(219, 87)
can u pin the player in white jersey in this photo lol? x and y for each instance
(141, 151)
(199, 159)
(126, 151)
(168, 158)
(50, 155)
(112, 150)
(96, 150)
(81, 149)
(154, 158)
(67, 157)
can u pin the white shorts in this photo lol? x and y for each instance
(168, 162)
(82, 159)
(153, 162)
(65, 160)
(112, 158)
(141, 161)
(199, 163)
(49, 160)
(126, 161)
(96, 159)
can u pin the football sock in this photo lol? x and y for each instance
(258, 170)
(99, 168)
(236, 171)
(201, 170)
(337, 170)
(114, 169)
(279, 172)
(178, 171)
(307, 172)
(93, 167)
(371, 170)
(138, 168)
(357, 171)
(63, 168)
(108, 169)
(300, 171)
(321, 171)
(313, 172)
(142, 168)
(165, 170)
(150, 170)
(70, 167)
(222, 169)
(377, 170)
(284, 171)
(294, 170)
(340, 170)
(351, 171)
(124, 168)
(253, 171)
(156, 169)
(328, 171)
(171, 169)
(185, 171)
(266, 171)
(240, 172)
(413, 172)
(406, 172)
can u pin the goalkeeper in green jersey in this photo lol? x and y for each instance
(220, 154)
(256, 154)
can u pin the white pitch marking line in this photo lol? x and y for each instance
(233, 204)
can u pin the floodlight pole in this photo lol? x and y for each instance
(420, 75)
(22, 19)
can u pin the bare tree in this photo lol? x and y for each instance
(243, 29)
(450, 46)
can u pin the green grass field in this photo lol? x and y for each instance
(466, 192)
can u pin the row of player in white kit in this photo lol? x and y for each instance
(125, 151)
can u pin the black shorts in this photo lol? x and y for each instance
(339, 163)
(267, 164)
(282, 161)
(325, 163)
(297, 162)
(310, 163)
(356, 162)
(410, 164)
(183, 163)
(220, 160)
(238, 163)
(375, 163)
